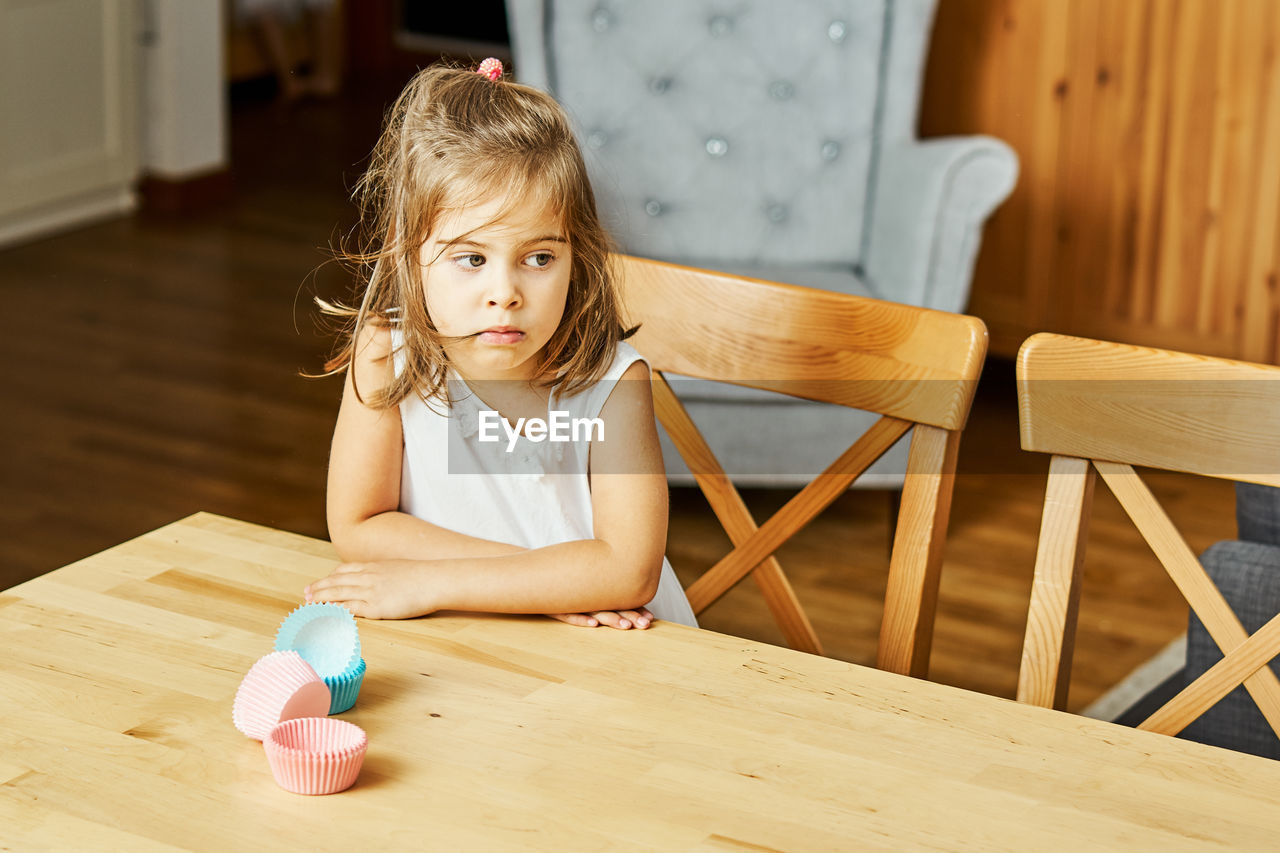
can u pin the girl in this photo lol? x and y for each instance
(489, 319)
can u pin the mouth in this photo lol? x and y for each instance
(501, 335)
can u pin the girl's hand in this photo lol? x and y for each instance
(388, 589)
(620, 619)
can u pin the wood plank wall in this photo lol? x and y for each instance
(1148, 208)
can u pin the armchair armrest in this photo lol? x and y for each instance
(930, 203)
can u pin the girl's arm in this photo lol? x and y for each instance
(617, 570)
(363, 493)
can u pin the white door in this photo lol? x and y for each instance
(68, 112)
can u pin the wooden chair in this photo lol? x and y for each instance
(1102, 408)
(915, 367)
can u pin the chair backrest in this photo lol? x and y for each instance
(743, 133)
(1102, 408)
(915, 367)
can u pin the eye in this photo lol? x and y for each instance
(470, 260)
(540, 259)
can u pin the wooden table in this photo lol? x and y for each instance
(491, 732)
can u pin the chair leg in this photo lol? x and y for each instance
(911, 593)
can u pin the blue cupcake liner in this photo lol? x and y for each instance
(326, 637)
(343, 689)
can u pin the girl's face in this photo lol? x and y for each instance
(501, 284)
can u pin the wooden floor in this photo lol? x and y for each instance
(154, 371)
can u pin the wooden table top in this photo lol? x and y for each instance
(494, 732)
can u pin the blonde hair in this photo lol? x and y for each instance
(455, 138)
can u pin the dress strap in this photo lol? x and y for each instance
(589, 402)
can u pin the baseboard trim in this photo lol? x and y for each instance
(1112, 704)
(46, 220)
(185, 195)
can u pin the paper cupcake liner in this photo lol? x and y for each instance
(345, 688)
(325, 635)
(280, 686)
(316, 755)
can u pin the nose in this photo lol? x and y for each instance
(503, 290)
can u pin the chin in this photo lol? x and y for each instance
(503, 365)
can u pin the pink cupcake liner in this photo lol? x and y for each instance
(316, 755)
(280, 686)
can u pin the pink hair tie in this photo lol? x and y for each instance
(490, 68)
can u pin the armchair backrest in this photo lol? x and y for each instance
(744, 133)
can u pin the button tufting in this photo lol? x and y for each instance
(837, 31)
(659, 85)
(653, 207)
(781, 90)
(830, 150)
(717, 147)
(597, 139)
(776, 212)
(720, 25)
(601, 20)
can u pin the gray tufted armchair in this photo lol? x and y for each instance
(775, 139)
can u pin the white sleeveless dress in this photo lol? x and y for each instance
(534, 495)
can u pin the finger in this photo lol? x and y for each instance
(612, 619)
(315, 589)
(324, 583)
(337, 594)
(640, 618)
(582, 620)
(313, 586)
(360, 608)
(335, 580)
